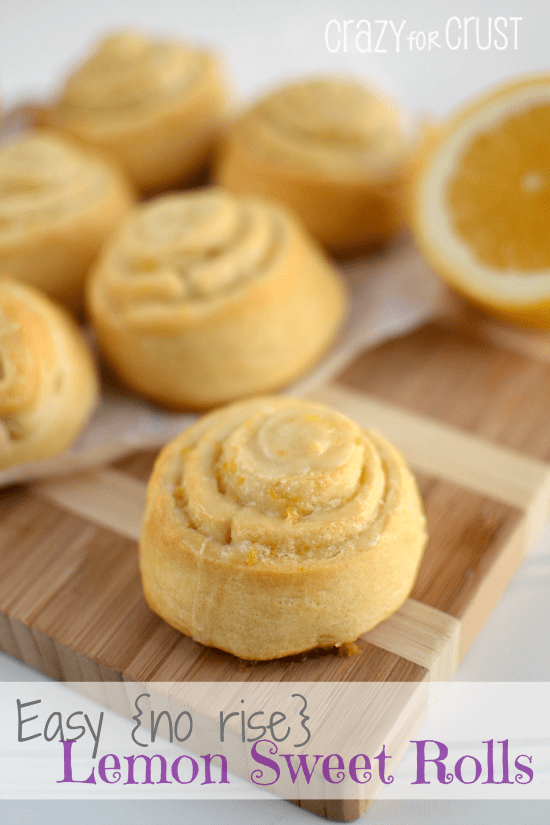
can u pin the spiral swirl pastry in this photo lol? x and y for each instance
(274, 526)
(154, 104)
(204, 297)
(326, 125)
(329, 148)
(48, 385)
(58, 202)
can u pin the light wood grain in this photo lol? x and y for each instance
(458, 314)
(450, 375)
(423, 635)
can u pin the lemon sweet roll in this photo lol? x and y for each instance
(48, 385)
(331, 149)
(274, 526)
(205, 297)
(154, 104)
(58, 203)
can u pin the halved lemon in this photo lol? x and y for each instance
(481, 201)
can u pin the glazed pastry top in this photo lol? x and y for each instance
(128, 72)
(180, 255)
(337, 126)
(44, 181)
(283, 481)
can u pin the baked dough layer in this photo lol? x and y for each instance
(330, 149)
(48, 385)
(154, 105)
(204, 297)
(58, 203)
(274, 526)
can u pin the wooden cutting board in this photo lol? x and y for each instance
(471, 414)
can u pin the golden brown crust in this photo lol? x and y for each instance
(48, 385)
(274, 526)
(58, 203)
(205, 297)
(331, 150)
(154, 105)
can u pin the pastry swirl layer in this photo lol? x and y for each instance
(179, 256)
(332, 150)
(276, 525)
(48, 386)
(128, 71)
(293, 480)
(155, 105)
(58, 202)
(328, 125)
(205, 296)
(43, 181)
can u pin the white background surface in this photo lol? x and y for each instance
(263, 42)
